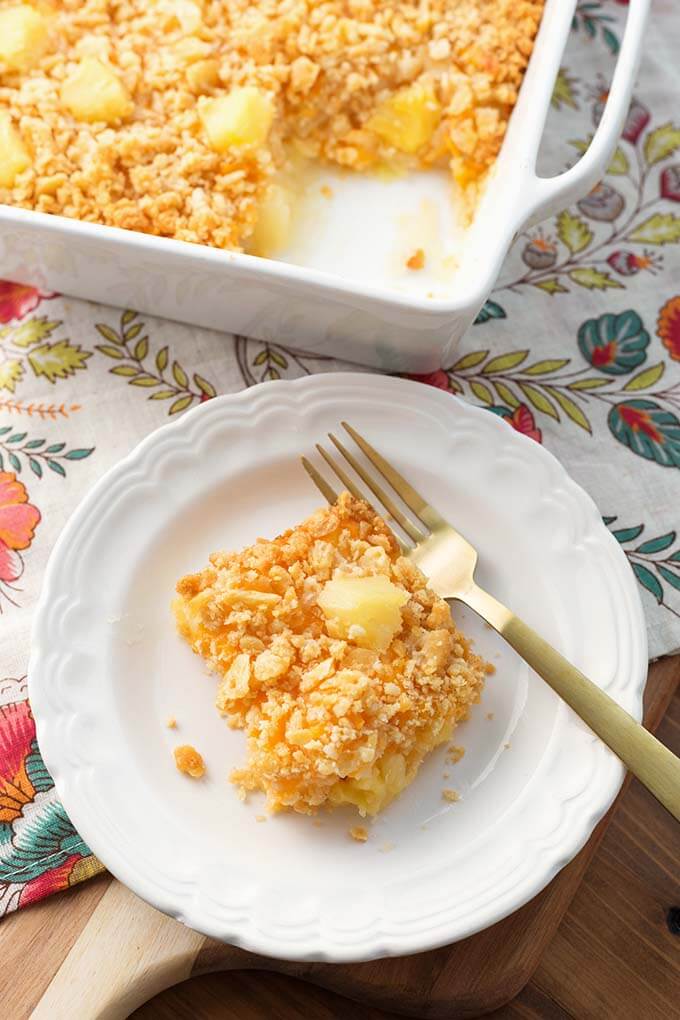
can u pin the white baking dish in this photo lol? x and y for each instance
(341, 299)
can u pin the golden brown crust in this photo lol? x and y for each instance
(327, 66)
(327, 721)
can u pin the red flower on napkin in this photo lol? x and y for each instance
(668, 327)
(18, 521)
(18, 299)
(438, 379)
(521, 420)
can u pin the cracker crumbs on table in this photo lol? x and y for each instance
(189, 761)
(451, 795)
(454, 754)
(359, 833)
(417, 260)
(171, 723)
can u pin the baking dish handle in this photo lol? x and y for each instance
(549, 195)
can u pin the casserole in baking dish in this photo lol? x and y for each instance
(340, 285)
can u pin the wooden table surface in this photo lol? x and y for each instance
(615, 955)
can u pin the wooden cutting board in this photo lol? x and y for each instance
(126, 951)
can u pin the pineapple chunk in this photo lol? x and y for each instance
(23, 37)
(242, 117)
(94, 92)
(408, 119)
(235, 682)
(202, 75)
(374, 790)
(15, 157)
(273, 223)
(183, 14)
(364, 610)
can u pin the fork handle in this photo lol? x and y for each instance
(646, 757)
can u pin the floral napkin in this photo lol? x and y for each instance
(578, 347)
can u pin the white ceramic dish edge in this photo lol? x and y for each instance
(311, 309)
(546, 853)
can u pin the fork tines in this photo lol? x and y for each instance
(387, 472)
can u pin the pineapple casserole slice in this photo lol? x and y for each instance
(334, 656)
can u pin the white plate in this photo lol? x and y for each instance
(107, 669)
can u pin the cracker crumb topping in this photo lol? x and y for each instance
(417, 260)
(173, 117)
(189, 761)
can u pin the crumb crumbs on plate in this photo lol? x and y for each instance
(189, 761)
(386, 847)
(317, 823)
(260, 818)
(451, 795)
(506, 745)
(326, 191)
(454, 754)
(490, 669)
(171, 723)
(446, 775)
(417, 260)
(359, 833)
(489, 715)
(424, 828)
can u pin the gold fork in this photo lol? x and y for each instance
(448, 561)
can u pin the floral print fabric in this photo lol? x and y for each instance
(578, 347)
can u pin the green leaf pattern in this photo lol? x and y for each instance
(150, 373)
(573, 231)
(21, 452)
(27, 352)
(655, 561)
